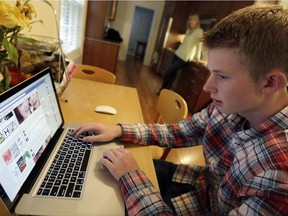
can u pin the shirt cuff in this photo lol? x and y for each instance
(133, 181)
(133, 133)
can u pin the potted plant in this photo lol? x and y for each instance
(13, 18)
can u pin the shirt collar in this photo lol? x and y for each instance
(278, 122)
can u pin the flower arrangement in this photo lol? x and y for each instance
(13, 18)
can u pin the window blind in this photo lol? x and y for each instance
(71, 24)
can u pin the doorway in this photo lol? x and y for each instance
(140, 31)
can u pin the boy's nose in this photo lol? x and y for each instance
(209, 86)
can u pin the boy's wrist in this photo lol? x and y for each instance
(118, 130)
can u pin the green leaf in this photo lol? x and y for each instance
(2, 83)
(2, 89)
(27, 39)
(7, 76)
(11, 50)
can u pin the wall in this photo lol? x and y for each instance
(46, 14)
(123, 24)
(284, 3)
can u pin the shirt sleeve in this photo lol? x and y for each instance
(140, 197)
(188, 132)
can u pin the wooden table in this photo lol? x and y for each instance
(84, 95)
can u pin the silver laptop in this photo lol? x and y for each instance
(43, 170)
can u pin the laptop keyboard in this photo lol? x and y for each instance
(66, 175)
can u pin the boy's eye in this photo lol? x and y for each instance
(222, 77)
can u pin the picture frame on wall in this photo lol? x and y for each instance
(112, 9)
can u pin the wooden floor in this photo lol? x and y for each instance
(132, 73)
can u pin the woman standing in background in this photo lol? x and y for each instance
(187, 51)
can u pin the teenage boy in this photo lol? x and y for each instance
(243, 132)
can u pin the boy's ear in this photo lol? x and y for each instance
(274, 81)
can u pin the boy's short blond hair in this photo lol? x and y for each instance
(259, 34)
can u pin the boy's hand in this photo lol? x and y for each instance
(119, 161)
(101, 132)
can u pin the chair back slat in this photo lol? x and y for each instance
(94, 73)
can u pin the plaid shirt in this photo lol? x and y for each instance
(246, 172)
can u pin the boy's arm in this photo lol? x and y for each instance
(188, 132)
(140, 197)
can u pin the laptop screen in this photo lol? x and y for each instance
(29, 118)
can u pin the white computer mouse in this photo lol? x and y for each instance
(105, 109)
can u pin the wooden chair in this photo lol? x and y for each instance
(172, 108)
(94, 73)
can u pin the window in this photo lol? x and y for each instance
(71, 23)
